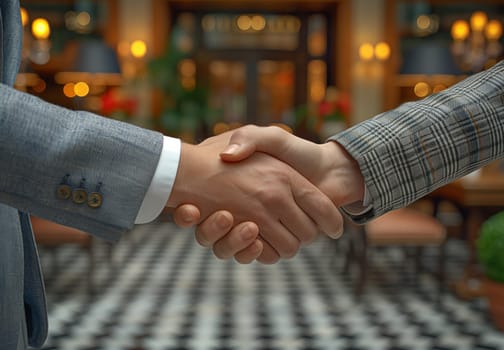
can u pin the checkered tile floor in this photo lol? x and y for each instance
(164, 292)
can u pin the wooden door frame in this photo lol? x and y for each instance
(339, 33)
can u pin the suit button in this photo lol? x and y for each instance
(95, 200)
(79, 196)
(63, 192)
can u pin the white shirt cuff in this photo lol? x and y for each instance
(162, 182)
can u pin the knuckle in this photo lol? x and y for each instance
(274, 193)
(267, 196)
(202, 237)
(243, 260)
(277, 131)
(244, 131)
(308, 236)
(201, 241)
(290, 250)
(268, 260)
(220, 254)
(312, 195)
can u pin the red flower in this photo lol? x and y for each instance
(343, 104)
(325, 108)
(113, 102)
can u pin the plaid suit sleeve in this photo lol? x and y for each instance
(410, 151)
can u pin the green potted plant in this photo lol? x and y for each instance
(490, 248)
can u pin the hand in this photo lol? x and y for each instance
(328, 166)
(284, 205)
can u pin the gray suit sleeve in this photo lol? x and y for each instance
(43, 146)
(410, 151)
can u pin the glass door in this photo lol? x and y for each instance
(275, 92)
(256, 67)
(259, 91)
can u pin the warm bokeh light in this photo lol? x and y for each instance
(493, 30)
(83, 19)
(68, 90)
(187, 67)
(460, 30)
(366, 51)
(24, 16)
(317, 43)
(188, 83)
(317, 91)
(478, 21)
(438, 88)
(423, 22)
(220, 128)
(382, 51)
(40, 86)
(317, 67)
(258, 23)
(138, 48)
(244, 23)
(421, 89)
(81, 89)
(41, 28)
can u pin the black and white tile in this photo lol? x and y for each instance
(164, 292)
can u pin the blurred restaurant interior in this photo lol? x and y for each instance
(196, 68)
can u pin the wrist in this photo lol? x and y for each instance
(342, 179)
(185, 172)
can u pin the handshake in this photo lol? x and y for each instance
(260, 193)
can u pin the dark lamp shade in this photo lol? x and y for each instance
(94, 56)
(429, 59)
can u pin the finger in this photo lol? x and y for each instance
(297, 222)
(249, 254)
(214, 228)
(239, 238)
(293, 226)
(239, 147)
(282, 241)
(318, 207)
(249, 139)
(269, 255)
(186, 215)
(272, 140)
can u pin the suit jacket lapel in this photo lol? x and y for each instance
(1, 46)
(11, 43)
(11, 40)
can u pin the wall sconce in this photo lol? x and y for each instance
(138, 49)
(26, 79)
(380, 51)
(132, 56)
(41, 30)
(476, 42)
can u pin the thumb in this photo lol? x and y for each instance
(186, 215)
(238, 150)
(249, 139)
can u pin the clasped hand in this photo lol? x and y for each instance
(242, 191)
